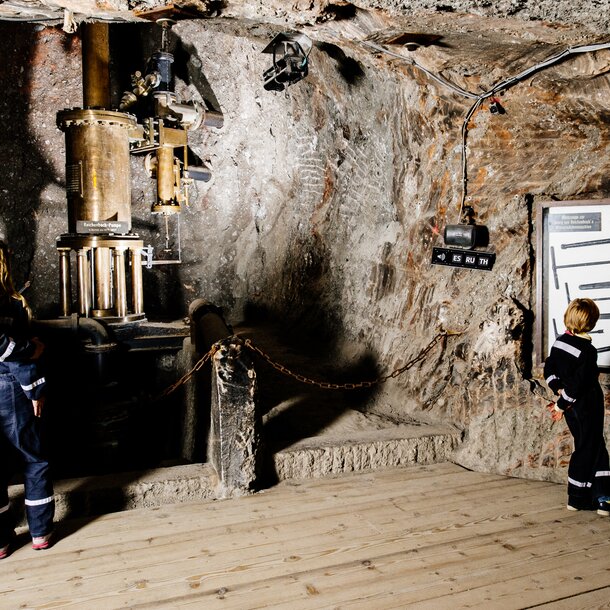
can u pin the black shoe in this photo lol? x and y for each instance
(603, 508)
(575, 503)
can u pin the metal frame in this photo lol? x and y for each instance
(572, 260)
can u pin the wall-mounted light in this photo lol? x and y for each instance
(290, 61)
(467, 234)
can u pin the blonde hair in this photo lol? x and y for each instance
(581, 315)
(7, 289)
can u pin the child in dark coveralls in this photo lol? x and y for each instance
(22, 388)
(571, 372)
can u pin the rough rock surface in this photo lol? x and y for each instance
(325, 202)
(566, 13)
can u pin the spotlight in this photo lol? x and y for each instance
(290, 61)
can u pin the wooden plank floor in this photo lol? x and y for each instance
(423, 537)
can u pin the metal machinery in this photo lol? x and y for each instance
(103, 333)
(98, 145)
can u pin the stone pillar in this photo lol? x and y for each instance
(234, 429)
(195, 404)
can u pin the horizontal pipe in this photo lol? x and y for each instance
(89, 327)
(213, 119)
(207, 325)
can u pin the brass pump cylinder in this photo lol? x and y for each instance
(98, 180)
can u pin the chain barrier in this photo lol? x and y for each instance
(351, 386)
(186, 377)
(325, 385)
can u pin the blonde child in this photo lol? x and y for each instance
(571, 372)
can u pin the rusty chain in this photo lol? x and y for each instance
(185, 378)
(303, 379)
(357, 385)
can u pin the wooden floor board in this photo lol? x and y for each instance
(491, 576)
(421, 573)
(592, 600)
(369, 518)
(431, 537)
(200, 526)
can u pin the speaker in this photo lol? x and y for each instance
(466, 236)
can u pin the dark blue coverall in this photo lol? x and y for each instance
(571, 371)
(21, 381)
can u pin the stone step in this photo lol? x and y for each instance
(98, 495)
(402, 445)
(313, 457)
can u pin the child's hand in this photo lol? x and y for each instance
(556, 414)
(37, 405)
(38, 348)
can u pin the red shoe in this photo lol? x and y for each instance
(5, 550)
(40, 543)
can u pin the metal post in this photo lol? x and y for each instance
(136, 280)
(65, 291)
(103, 292)
(84, 282)
(120, 285)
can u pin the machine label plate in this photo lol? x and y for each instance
(102, 226)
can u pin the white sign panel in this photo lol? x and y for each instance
(576, 264)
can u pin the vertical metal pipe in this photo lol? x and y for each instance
(84, 282)
(120, 285)
(103, 288)
(65, 291)
(96, 59)
(136, 280)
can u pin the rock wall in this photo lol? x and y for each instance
(326, 201)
